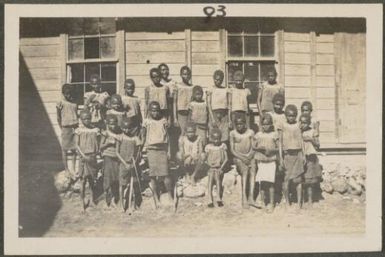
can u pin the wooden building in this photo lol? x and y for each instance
(317, 59)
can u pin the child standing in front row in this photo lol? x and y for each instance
(198, 113)
(110, 160)
(68, 121)
(155, 136)
(216, 158)
(131, 105)
(313, 170)
(266, 145)
(240, 144)
(291, 154)
(87, 144)
(117, 108)
(278, 114)
(239, 102)
(267, 91)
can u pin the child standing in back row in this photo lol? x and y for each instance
(117, 108)
(68, 121)
(278, 115)
(131, 105)
(307, 108)
(182, 97)
(239, 100)
(198, 113)
(267, 91)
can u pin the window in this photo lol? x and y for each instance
(254, 55)
(91, 50)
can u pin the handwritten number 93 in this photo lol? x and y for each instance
(210, 11)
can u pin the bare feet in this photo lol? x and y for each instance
(220, 203)
(210, 205)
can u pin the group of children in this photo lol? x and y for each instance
(184, 125)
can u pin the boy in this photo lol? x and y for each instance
(267, 91)
(239, 102)
(131, 104)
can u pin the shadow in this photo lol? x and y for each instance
(39, 158)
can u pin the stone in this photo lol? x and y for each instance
(62, 181)
(339, 184)
(192, 191)
(326, 187)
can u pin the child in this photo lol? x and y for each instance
(111, 161)
(67, 118)
(278, 115)
(267, 91)
(190, 153)
(313, 170)
(239, 98)
(158, 93)
(128, 152)
(198, 113)
(155, 136)
(131, 104)
(117, 108)
(218, 104)
(166, 80)
(87, 144)
(240, 145)
(291, 154)
(182, 97)
(307, 108)
(266, 144)
(95, 100)
(216, 158)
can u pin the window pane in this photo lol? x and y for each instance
(265, 68)
(108, 72)
(75, 72)
(235, 46)
(251, 46)
(79, 93)
(267, 46)
(252, 86)
(251, 71)
(110, 88)
(75, 49)
(91, 46)
(92, 68)
(107, 45)
(233, 67)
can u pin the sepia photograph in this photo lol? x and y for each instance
(208, 126)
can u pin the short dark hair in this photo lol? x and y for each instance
(215, 131)
(154, 70)
(185, 67)
(111, 117)
(307, 116)
(308, 104)
(67, 87)
(129, 81)
(279, 97)
(291, 107)
(163, 64)
(95, 76)
(219, 73)
(190, 125)
(152, 103)
(268, 117)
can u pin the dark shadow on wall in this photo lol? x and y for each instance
(39, 201)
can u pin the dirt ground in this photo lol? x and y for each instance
(334, 214)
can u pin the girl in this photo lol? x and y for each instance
(267, 91)
(218, 104)
(95, 100)
(216, 158)
(156, 140)
(190, 153)
(291, 154)
(278, 115)
(111, 161)
(266, 144)
(128, 152)
(117, 108)
(239, 102)
(87, 144)
(313, 170)
(158, 93)
(240, 145)
(198, 113)
(67, 118)
(307, 108)
(131, 104)
(182, 96)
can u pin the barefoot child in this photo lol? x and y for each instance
(239, 101)
(216, 158)
(117, 108)
(190, 153)
(87, 144)
(218, 104)
(156, 140)
(313, 170)
(198, 113)
(267, 91)
(182, 97)
(67, 118)
(131, 104)
(111, 161)
(241, 147)
(278, 114)
(291, 154)
(266, 151)
(95, 101)
(128, 151)
(307, 108)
